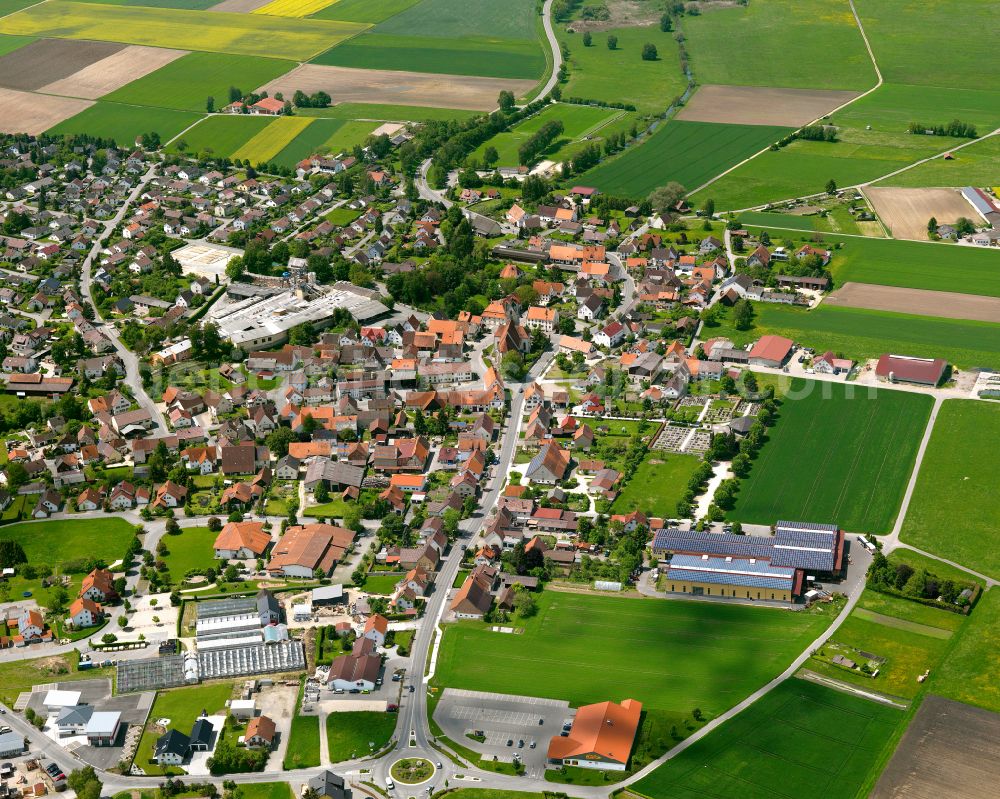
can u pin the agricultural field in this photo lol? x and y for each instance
(383, 112)
(682, 655)
(971, 672)
(190, 5)
(819, 37)
(272, 139)
(975, 165)
(799, 739)
(657, 486)
(947, 304)
(578, 121)
(9, 44)
(758, 105)
(364, 10)
(836, 455)
(324, 136)
(909, 647)
(955, 505)
(690, 153)
(599, 73)
(862, 334)
(58, 541)
(36, 113)
(293, 8)
(187, 83)
(104, 76)
(454, 37)
(220, 135)
(124, 123)
(905, 212)
(242, 34)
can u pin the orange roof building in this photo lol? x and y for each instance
(242, 540)
(601, 737)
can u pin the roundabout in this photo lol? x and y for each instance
(412, 770)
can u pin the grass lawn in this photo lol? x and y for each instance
(681, 655)
(190, 550)
(800, 739)
(333, 510)
(596, 73)
(187, 82)
(382, 584)
(58, 541)
(182, 706)
(20, 675)
(860, 333)
(658, 485)
(690, 153)
(955, 506)
(220, 135)
(910, 647)
(303, 743)
(124, 123)
(266, 790)
(350, 734)
(342, 216)
(836, 455)
(819, 37)
(971, 672)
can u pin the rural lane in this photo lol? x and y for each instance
(550, 84)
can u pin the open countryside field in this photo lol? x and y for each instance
(9, 44)
(242, 34)
(800, 739)
(945, 304)
(323, 136)
(222, 135)
(620, 75)
(578, 120)
(757, 105)
(681, 655)
(191, 5)
(836, 455)
(862, 334)
(819, 37)
(690, 153)
(388, 86)
(31, 67)
(272, 139)
(955, 505)
(385, 112)
(455, 37)
(293, 8)
(124, 123)
(36, 113)
(187, 83)
(113, 72)
(975, 165)
(364, 10)
(658, 485)
(971, 672)
(906, 211)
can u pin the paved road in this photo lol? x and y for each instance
(550, 84)
(129, 359)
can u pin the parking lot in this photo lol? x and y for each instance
(502, 718)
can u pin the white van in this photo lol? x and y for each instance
(389, 783)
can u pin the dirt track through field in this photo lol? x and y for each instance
(906, 211)
(949, 750)
(393, 87)
(947, 304)
(759, 105)
(113, 72)
(30, 67)
(36, 113)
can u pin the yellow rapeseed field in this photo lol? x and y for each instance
(272, 139)
(293, 8)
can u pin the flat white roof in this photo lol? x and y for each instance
(103, 722)
(57, 698)
(242, 704)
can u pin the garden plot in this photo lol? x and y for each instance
(347, 84)
(947, 304)
(124, 66)
(40, 63)
(757, 105)
(36, 113)
(906, 211)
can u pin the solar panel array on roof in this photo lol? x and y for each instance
(796, 545)
(758, 574)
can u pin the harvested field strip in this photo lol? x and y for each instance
(113, 72)
(690, 153)
(946, 304)
(293, 8)
(906, 211)
(755, 105)
(244, 34)
(272, 139)
(384, 86)
(901, 624)
(36, 113)
(123, 123)
(33, 66)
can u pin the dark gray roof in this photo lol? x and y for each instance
(173, 742)
(202, 732)
(757, 574)
(795, 545)
(329, 786)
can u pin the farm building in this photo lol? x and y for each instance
(601, 736)
(907, 369)
(772, 351)
(741, 578)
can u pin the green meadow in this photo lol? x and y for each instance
(364, 10)
(975, 165)
(220, 135)
(326, 137)
(124, 123)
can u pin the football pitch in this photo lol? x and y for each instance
(671, 655)
(838, 454)
(801, 739)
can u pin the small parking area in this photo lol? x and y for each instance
(501, 718)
